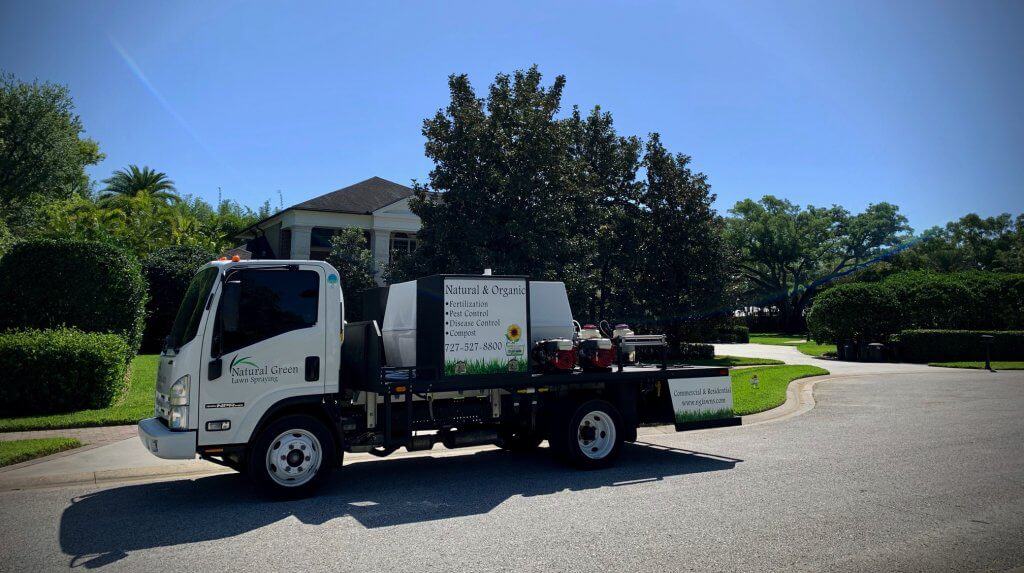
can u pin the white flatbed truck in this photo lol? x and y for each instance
(262, 374)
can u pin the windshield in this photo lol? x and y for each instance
(186, 323)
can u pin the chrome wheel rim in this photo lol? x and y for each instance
(596, 435)
(293, 458)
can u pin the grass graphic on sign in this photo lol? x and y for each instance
(492, 366)
(701, 415)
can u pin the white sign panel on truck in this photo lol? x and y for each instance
(699, 399)
(485, 326)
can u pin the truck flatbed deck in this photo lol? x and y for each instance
(392, 378)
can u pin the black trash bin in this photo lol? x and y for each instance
(876, 352)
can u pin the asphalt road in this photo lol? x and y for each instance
(888, 472)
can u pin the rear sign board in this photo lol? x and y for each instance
(485, 326)
(700, 399)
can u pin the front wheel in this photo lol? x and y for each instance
(292, 456)
(588, 435)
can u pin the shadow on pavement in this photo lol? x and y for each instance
(100, 528)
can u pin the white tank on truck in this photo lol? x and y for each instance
(486, 319)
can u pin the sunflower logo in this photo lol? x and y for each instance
(513, 333)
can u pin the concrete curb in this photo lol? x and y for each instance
(186, 469)
(799, 400)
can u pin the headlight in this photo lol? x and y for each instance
(178, 393)
(177, 418)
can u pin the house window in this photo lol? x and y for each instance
(403, 243)
(320, 243)
(285, 251)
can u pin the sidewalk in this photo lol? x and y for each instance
(88, 436)
(123, 459)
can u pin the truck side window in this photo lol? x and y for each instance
(271, 302)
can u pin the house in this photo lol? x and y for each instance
(378, 206)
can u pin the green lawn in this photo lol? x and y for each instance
(136, 405)
(731, 361)
(771, 390)
(979, 365)
(807, 347)
(17, 451)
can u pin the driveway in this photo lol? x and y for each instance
(917, 471)
(790, 355)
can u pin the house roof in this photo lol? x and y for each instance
(361, 198)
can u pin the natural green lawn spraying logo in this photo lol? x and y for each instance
(245, 371)
(243, 361)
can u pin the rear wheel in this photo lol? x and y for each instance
(292, 456)
(588, 435)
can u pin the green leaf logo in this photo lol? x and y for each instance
(243, 361)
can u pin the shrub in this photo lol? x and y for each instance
(168, 272)
(695, 351)
(50, 371)
(93, 287)
(857, 312)
(872, 312)
(733, 334)
(947, 345)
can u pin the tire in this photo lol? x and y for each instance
(292, 457)
(518, 441)
(588, 434)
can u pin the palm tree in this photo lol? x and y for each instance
(132, 182)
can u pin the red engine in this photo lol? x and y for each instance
(596, 354)
(556, 355)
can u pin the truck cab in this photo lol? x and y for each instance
(248, 337)
(261, 373)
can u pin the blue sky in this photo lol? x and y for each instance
(916, 103)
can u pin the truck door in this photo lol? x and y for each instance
(267, 343)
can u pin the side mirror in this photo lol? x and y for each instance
(229, 305)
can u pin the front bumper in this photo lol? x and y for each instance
(167, 444)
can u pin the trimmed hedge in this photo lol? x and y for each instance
(948, 345)
(168, 272)
(739, 334)
(872, 312)
(51, 371)
(695, 351)
(853, 312)
(90, 286)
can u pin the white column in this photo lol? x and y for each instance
(381, 249)
(301, 237)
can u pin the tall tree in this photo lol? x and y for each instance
(42, 150)
(969, 243)
(786, 253)
(522, 191)
(684, 268)
(609, 235)
(502, 193)
(132, 182)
